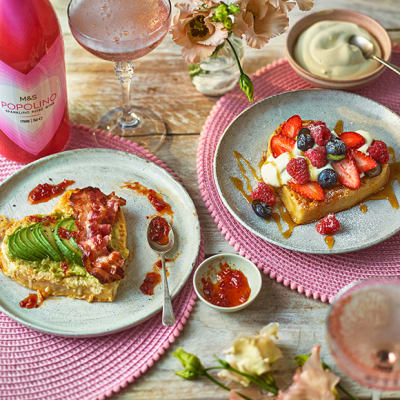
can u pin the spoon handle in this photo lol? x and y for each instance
(387, 64)
(168, 317)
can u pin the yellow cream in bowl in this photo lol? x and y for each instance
(324, 50)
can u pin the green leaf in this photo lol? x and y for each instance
(233, 8)
(221, 13)
(228, 24)
(247, 86)
(194, 69)
(191, 363)
(301, 359)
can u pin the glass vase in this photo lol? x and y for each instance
(219, 73)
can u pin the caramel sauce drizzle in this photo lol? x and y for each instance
(238, 183)
(363, 208)
(391, 152)
(338, 127)
(387, 193)
(286, 218)
(330, 240)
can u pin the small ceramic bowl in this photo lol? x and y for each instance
(369, 24)
(210, 267)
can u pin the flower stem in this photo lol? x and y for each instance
(271, 388)
(236, 56)
(346, 392)
(221, 385)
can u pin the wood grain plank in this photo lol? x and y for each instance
(161, 81)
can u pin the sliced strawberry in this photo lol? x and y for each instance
(347, 172)
(312, 190)
(292, 126)
(363, 162)
(352, 140)
(281, 144)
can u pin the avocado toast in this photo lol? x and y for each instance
(79, 250)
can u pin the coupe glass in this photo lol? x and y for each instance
(363, 333)
(122, 31)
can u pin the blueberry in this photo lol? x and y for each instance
(327, 178)
(336, 147)
(262, 209)
(304, 140)
(374, 171)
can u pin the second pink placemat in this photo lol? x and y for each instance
(319, 276)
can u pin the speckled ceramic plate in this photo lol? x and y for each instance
(248, 134)
(108, 170)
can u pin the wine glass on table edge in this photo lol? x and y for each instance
(122, 31)
(363, 333)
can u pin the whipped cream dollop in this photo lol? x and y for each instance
(274, 172)
(324, 50)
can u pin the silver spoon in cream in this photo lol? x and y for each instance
(367, 50)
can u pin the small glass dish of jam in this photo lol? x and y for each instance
(227, 282)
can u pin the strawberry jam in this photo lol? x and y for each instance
(155, 199)
(150, 282)
(159, 230)
(30, 302)
(231, 288)
(44, 191)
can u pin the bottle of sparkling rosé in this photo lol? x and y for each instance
(33, 96)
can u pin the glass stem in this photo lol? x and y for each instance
(124, 72)
(376, 395)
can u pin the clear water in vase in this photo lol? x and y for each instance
(219, 73)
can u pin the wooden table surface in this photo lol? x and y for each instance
(162, 83)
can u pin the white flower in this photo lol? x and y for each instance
(253, 354)
(312, 382)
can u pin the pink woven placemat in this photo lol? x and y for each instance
(34, 365)
(320, 276)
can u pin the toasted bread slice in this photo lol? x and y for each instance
(50, 277)
(304, 210)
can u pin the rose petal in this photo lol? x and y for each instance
(284, 5)
(305, 5)
(312, 382)
(261, 30)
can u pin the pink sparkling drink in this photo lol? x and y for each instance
(122, 31)
(363, 332)
(119, 30)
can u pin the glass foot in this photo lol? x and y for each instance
(144, 126)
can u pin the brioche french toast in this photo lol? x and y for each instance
(317, 172)
(78, 250)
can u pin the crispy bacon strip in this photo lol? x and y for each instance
(95, 214)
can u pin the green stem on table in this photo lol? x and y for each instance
(244, 81)
(221, 385)
(271, 388)
(346, 392)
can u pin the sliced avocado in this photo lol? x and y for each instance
(21, 250)
(68, 247)
(46, 234)
(38, 239)
(49, 248)
(26, 237)
(14, 249)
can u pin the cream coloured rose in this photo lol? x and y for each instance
(253, 355)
